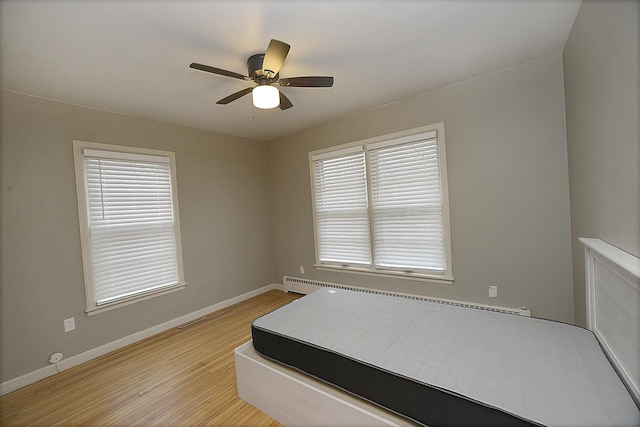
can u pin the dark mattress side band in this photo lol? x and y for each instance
(422, 403)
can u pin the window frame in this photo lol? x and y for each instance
(444, 277)
(92, 307)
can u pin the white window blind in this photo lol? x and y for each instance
(381, 205)
(407, 206)
(342, 222)
(132, 228)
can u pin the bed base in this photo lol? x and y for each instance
(295, 399)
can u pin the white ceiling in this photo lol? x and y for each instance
(133, 56)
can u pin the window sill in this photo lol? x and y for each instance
(92, 311)
(432, 278)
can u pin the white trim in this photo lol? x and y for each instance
(424, 136)
(25, 380)
(47, 371)
(444, 184)
(363, 143)
(423, 277)
(121, 148)
(92, 311)
(119, 155)
(338, 153)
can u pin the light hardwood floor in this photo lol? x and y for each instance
(181, 377)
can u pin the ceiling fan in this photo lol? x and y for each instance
(264, 69)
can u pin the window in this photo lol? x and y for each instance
(129, 226)
(380, 206)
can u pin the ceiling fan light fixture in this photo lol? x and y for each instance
(265, 96)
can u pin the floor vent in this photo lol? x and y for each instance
(305, 286)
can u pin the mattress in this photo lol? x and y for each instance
(445, 365)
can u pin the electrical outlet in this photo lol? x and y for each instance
(69, 324)
(302, 269)
(493, 291)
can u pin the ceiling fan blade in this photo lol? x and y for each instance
(220, 71)
(235, 96)
(311, 81)
(274, 57)
(285, 103)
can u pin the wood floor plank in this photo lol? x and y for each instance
(178, 377)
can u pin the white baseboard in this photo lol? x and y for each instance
(47, 371)
(30, 378)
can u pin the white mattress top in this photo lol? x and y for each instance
(547, 372)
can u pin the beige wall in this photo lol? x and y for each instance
(223, 197)
(508, 188)
(601, 77)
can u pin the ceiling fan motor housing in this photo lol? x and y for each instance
(254, 67)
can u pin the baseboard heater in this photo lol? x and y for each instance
(306, 286)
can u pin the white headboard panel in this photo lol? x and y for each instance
(613, 307)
